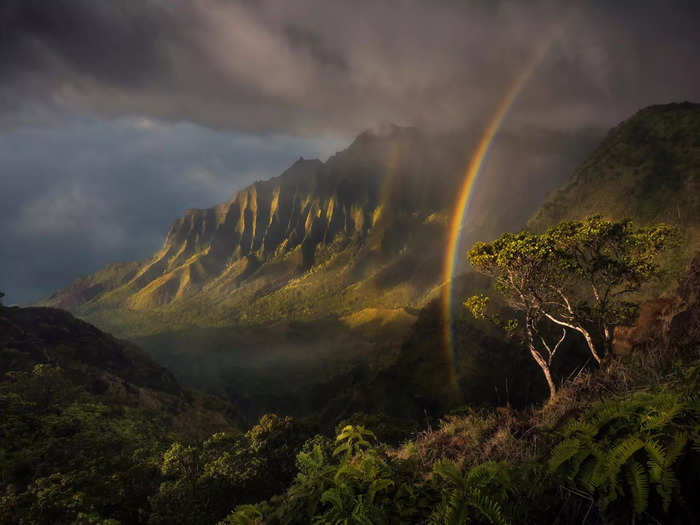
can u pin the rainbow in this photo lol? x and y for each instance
(471, 176)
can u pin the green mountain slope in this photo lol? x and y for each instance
(647, 169)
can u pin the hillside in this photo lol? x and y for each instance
(618, 444)
(362, 229)
(92, 431)
(647, 168)
(117, 372)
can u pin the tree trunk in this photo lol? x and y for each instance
(543, 364)
(545, 370)
(608, 336)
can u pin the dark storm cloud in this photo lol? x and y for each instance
(117, 115)
(81, 195)
(310, 65)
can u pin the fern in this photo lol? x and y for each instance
(563, 452)
(244, 515)
(625, 450)
(352, 440)
(638, 483)
(466, 495)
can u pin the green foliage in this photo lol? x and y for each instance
(477, 306)
(352, 440)
(478, 495)
(578, 275)
(244, 515)
(387, 429)
(65, 453)
(203, 481)
(627, 453)
(646, 169)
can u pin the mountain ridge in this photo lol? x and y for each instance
(356, 212)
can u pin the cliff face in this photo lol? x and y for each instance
(384, 198)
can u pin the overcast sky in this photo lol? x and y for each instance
(115, 116)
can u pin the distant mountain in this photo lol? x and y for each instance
(293, 279)
(365, 228)
(647, 168)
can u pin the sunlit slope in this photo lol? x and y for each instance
(364, 229)
(647, 168)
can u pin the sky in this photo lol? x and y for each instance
(117, 116)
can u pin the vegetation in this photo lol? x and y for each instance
(618, 444)
(578, 275)
(70, 456)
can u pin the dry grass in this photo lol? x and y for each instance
(504, 434)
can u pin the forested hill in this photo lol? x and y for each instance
(76, 356)
(646, 169)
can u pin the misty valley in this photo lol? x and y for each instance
(437, 264)
(290, 356)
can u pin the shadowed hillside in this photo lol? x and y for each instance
(117, 372)
(647, 169)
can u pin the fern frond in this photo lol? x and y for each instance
(487, 507)
(621, 453)
(680, 440)
(638, 483)
(581, 427)
(667, 487)
(563, 452)
(485, 473)
(361, 513)
(333, 497)
(448, 470)
(585, 476)
(377, 486)
(575, 463)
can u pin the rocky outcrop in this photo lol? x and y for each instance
(684, 328)
(668, 321)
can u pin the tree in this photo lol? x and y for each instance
(521, 264)
(1, 296)
(578, 275)
(605, 262)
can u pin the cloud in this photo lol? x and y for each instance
(89, 192)
(311, 66)
(116, 116)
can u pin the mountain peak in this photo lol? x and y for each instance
(385, 131)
